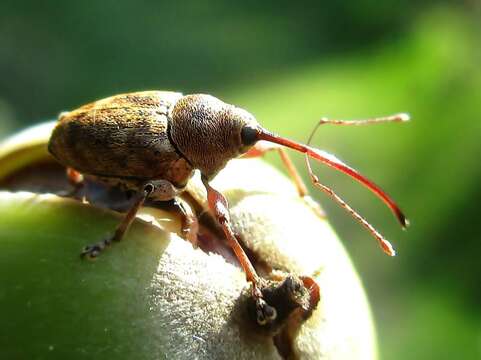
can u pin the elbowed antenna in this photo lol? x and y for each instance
(332, 161)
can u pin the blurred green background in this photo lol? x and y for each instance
(290, 63)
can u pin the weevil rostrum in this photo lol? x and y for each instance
(151, 142)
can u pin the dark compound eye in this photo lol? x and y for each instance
(249, 136)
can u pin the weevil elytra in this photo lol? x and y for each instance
(151, 142)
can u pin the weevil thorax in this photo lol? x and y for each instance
(208, 132)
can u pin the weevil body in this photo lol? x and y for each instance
(150, 135)
(152, 141)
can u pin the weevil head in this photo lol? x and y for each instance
(209, 132)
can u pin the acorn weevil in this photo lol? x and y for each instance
(152, 141)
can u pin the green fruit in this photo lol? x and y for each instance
(153, 295)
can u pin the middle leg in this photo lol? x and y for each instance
(92, 251)
(161, 190)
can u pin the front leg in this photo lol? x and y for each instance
(220, 209)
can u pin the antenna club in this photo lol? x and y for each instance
(403, 117)
(401, 218)
(387, 248)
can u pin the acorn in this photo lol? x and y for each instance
(156, 295)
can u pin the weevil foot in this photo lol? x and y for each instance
(266, 314)
(93, 251)
(275, 304)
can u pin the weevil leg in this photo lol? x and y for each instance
(314, 292)
(76, 180)
(261, 147)
(165, 191)
(190, 224)
(92, 251)
(220, 209)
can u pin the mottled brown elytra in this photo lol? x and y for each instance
(152, 141)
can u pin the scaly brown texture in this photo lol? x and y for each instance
(123, 136)
(207, 131)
